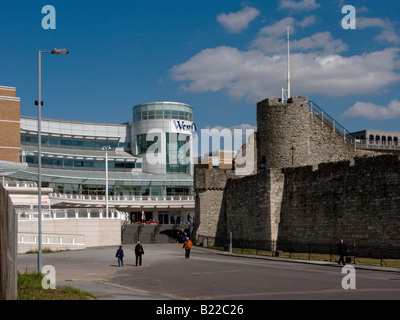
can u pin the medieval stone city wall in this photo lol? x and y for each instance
(355, 200)
(210, 212)
(281, 127)
(322, 191)
(358, 202)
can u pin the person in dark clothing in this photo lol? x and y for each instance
(139, 252)
(120, 256)
(342, 250)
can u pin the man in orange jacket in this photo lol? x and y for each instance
(187, 244)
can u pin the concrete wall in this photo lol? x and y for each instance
(96, 232)
(8, 248)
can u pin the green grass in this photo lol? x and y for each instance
(30, 288)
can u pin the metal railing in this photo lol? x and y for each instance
(332, 123)
(120, 197)
(374, 145)
(360, 253)
(20, 184)
(154, 233)
(56, 214)
(138, 232)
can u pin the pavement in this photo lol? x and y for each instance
(95, 270)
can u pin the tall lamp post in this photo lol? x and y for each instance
(106, 149)
(39, 104)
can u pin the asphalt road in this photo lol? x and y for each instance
(209, 276)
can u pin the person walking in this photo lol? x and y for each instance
(342, 250)
(120, 256)
(139, 252)
(187, 244)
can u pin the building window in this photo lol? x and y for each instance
(178, 153)
(143, 144)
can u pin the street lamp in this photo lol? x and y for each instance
(39, 103)
(106, 148)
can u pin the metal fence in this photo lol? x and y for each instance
(324, 251)
(332, 123)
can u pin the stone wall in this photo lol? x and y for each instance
(8, 248)
(326, 191)
(209, 202)
(253, 205)
(281, 127)
(356, 200)
(359, 202)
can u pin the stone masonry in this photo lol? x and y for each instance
(330, 190)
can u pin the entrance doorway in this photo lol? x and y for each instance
(163, 218)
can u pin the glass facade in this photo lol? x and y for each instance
(178, 153)
(73, 143)
(82, 164)
(73, 162)
(162, 110)
(144, 144)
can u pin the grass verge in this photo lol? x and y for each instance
(30, 288)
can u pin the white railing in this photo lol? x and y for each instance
(20, 184)
(62, 214)
(120, 197)
(52, 238)
(371, 144)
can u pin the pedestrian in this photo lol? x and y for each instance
(120, 256)
(184, 235)
(139, 252)
(188, 218)
(342, 251)
(187, 245)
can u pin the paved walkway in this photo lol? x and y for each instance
(95, 270)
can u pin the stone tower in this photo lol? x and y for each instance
(291, 135)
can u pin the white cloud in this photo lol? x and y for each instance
(235, 22)
(317, 66)
(301, 5)
(254, 75)
(272, 39)
(372, 111)
(388, 33)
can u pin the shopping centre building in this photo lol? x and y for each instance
(149, 171)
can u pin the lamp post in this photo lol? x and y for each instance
(106, 148)
(39, 104)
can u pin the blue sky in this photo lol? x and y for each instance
(220, 56)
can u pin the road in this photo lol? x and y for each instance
(209, 275)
